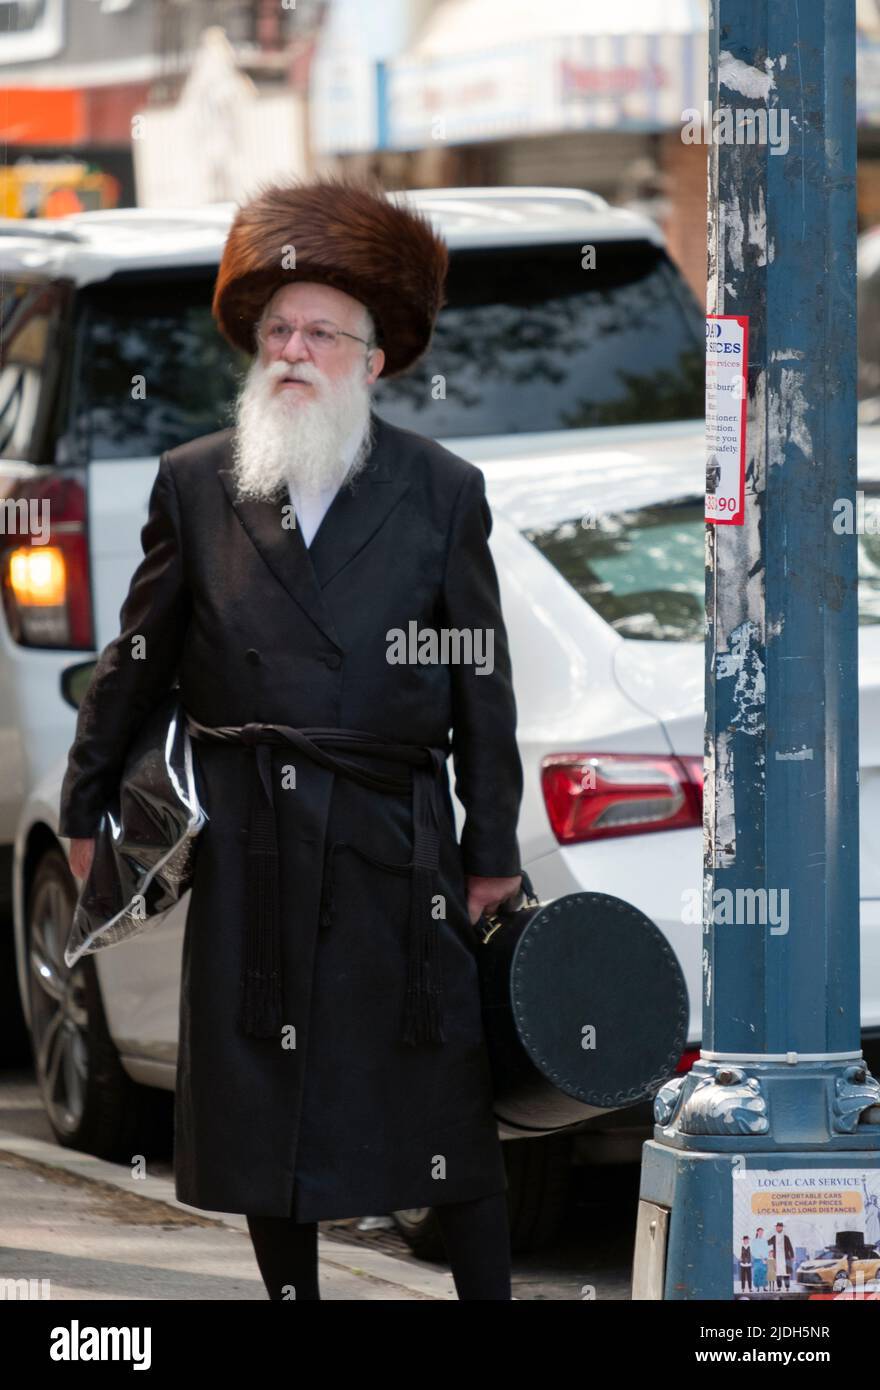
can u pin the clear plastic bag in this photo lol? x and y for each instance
(146, 841)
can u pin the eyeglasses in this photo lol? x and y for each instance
(319, 338)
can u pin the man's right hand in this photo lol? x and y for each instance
(80, 858)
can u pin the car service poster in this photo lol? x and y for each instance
(806, 1233)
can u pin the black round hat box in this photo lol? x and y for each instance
(585, 1010)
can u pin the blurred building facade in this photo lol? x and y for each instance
(483, 92)
(171, 102)
(150, 101)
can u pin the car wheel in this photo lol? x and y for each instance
(421, 1231)
(539, 1174)
(14, 1038)
(539, 1180)
(90, 1101)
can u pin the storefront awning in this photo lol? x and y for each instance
(495, 69)
(471, 26)
(499, 69)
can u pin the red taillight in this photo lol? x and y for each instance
(594, 796)
(45, 566)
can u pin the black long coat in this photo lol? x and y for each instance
(256, 627)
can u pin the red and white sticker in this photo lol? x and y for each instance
(727, 364)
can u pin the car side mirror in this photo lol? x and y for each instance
(75, 681)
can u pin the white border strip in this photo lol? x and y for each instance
(790, 1057)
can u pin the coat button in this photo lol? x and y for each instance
(253, 656)
(332, 660)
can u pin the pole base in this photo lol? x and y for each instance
(696, 1206)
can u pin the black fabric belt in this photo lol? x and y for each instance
(262, 1010)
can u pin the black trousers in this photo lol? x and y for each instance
(475, 1233)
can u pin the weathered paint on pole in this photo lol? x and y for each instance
(781, 643)
(781, 1083)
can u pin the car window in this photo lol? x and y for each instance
(529, 340)
(30, 362)
(153, 372)
(533, 340)
(643, 571)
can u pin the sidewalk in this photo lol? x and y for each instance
(96, 1232)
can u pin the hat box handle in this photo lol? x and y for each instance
(494, 921)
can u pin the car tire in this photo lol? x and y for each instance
(539, 1173)
(14, 1037)
(539, 1183)
(91, 1102)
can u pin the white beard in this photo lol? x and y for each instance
(280, 441)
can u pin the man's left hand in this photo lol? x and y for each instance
(486, 894)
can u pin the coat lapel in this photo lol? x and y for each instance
(354, 515)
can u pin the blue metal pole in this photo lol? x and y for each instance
(781, 1087)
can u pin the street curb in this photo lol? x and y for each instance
(421, 1281)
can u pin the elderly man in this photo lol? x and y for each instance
(331, 1056)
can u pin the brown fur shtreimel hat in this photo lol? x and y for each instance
(340, 233)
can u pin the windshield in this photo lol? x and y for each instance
(644, 571)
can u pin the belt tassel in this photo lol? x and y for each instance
(261, 999)
(325, 916)
(423, 1009)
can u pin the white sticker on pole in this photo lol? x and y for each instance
(727, 364)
